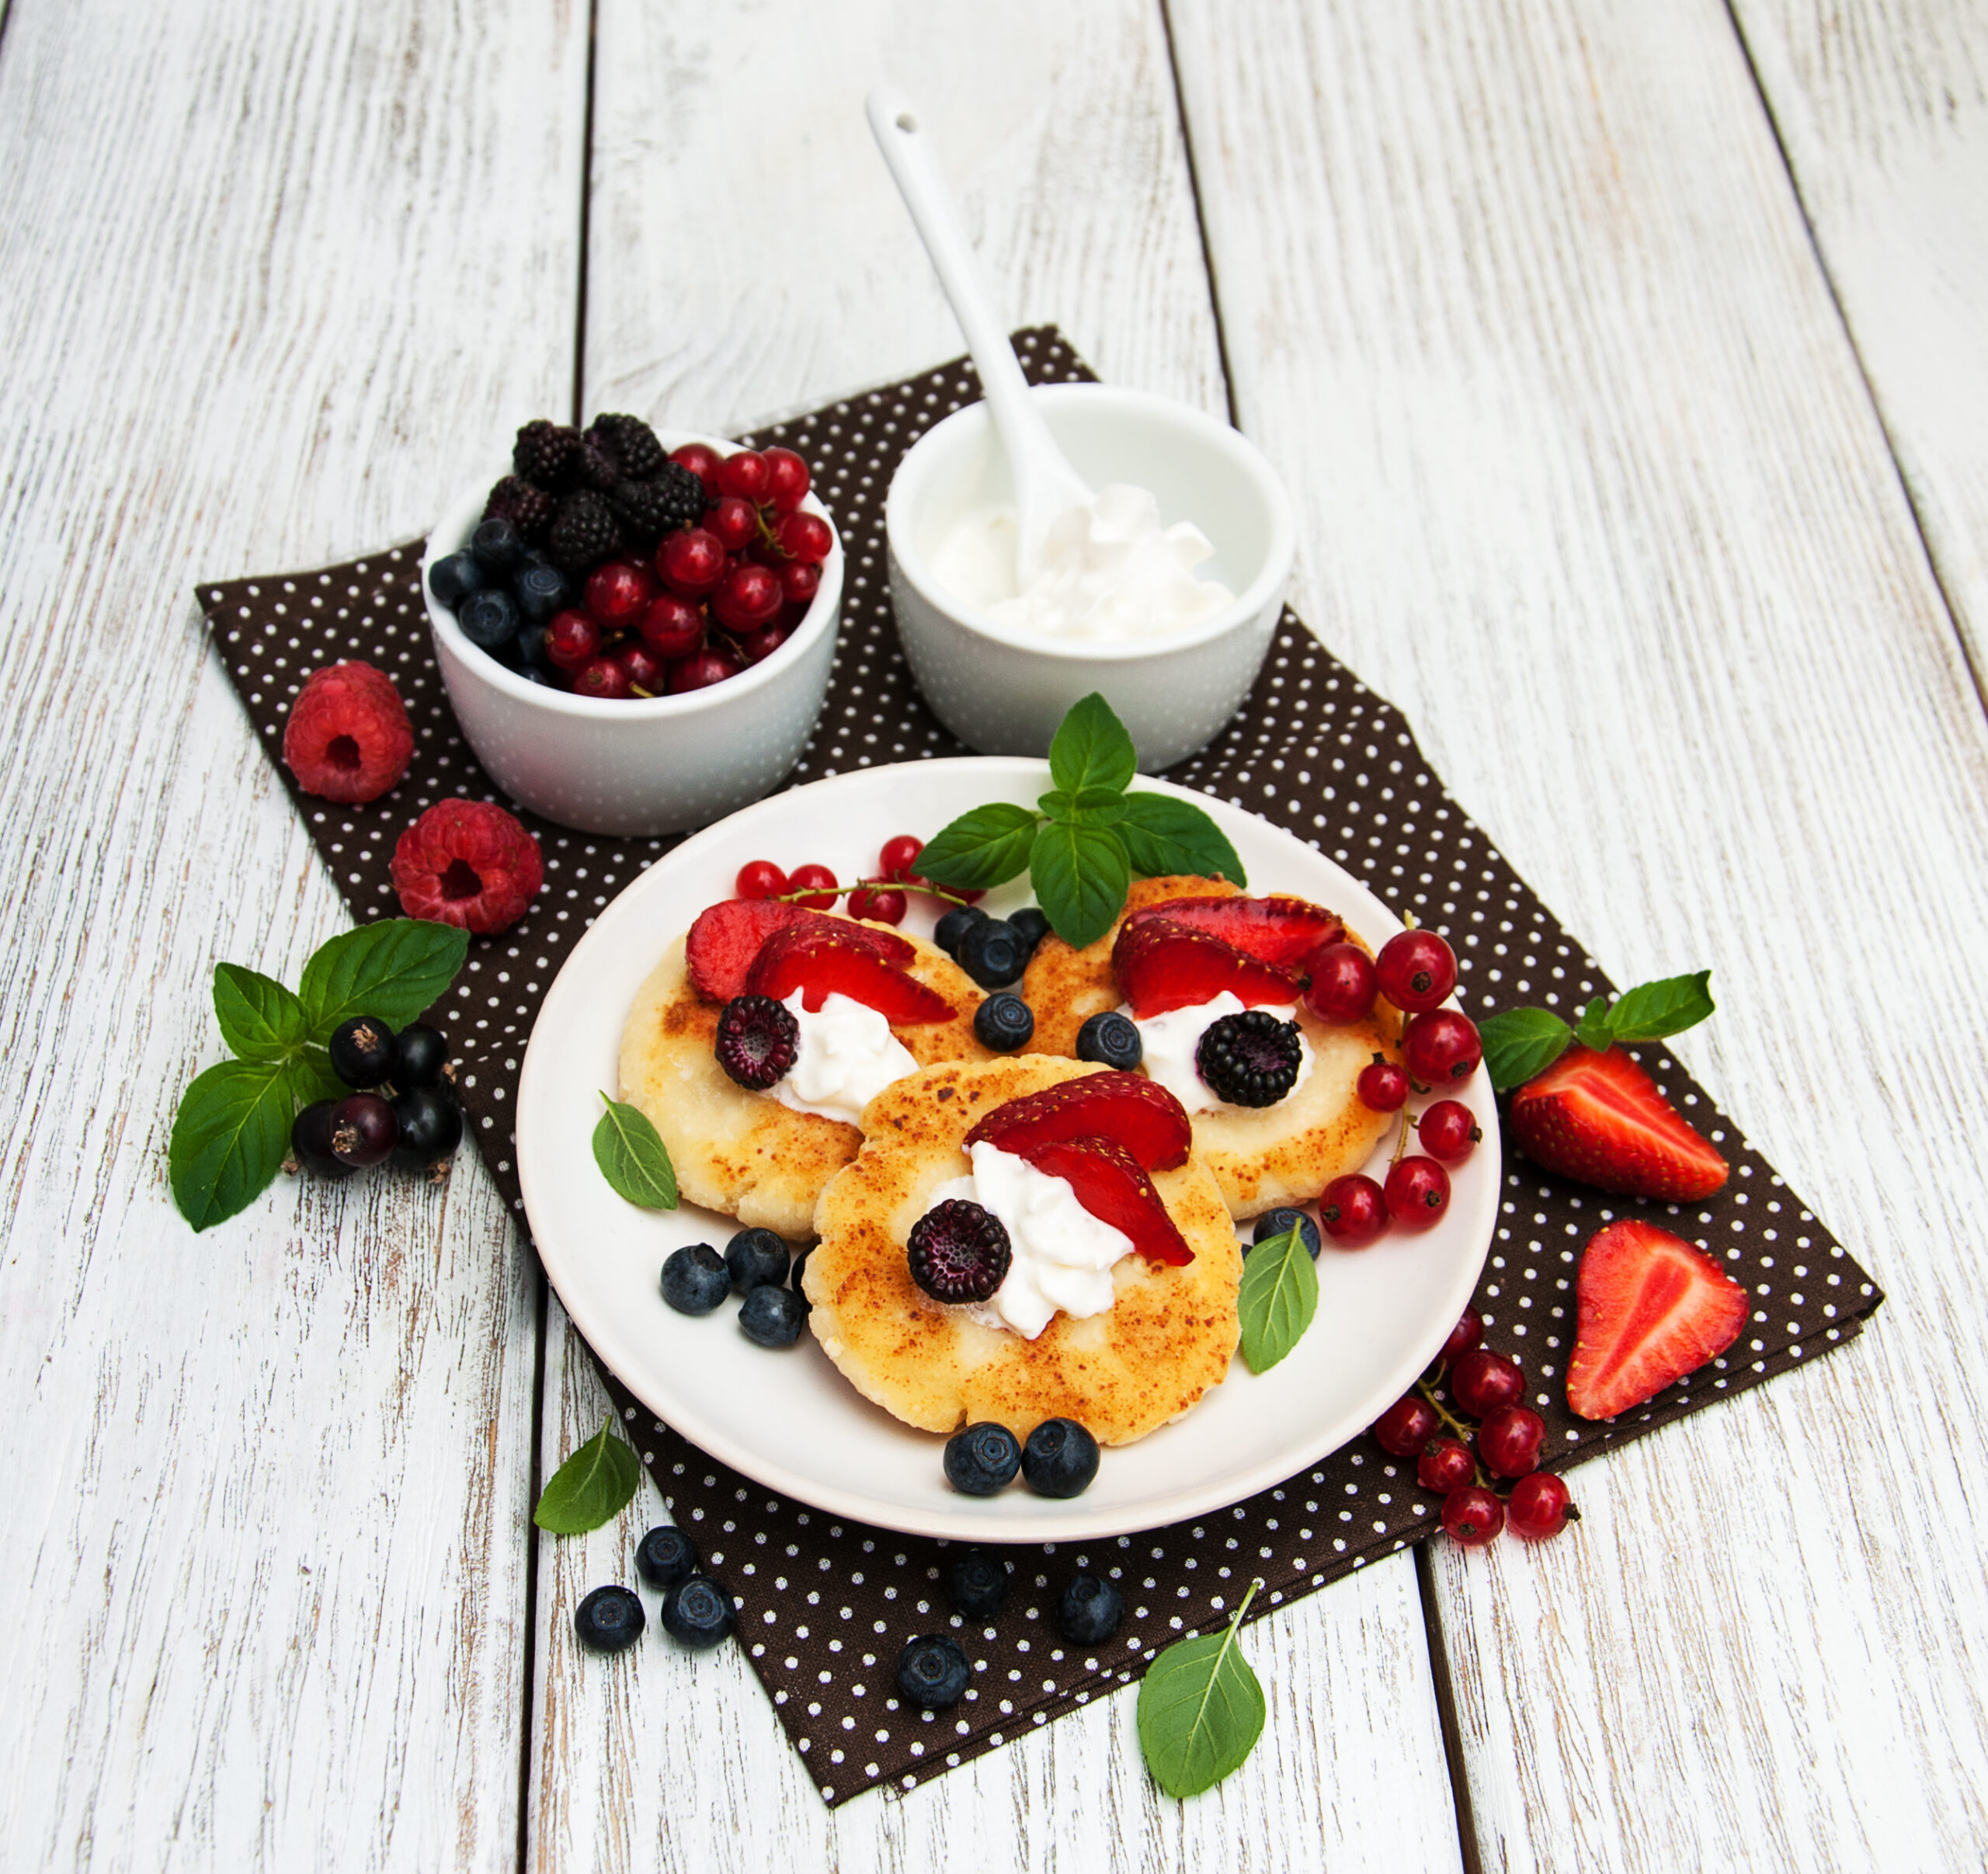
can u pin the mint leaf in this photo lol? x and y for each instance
(984, 847)
(1651, 1011)
(1081, 878)
(1200, 1709)
(1280, 1296)
(1520, 1043)
(229, 1137)
(394, 969)
(1092, 749)
(633, 1158)
(1163, 834)
(1595, 1030)
(1087, 807)
(592, 1487)
(260, 1020)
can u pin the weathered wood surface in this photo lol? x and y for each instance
(1522, 299)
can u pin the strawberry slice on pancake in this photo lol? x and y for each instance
(1113, 1186)
(834, 960)
(1162, 964)
(1141, 1114)
(725, 939)
(1281, 931)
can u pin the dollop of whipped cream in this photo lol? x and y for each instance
(847, 1056)
(1170, 1042)
(1110, 571)
(1063, 1255)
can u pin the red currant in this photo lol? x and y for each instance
(647, 672)
(604, 678)
(702, 461)
(899, 856)
(746, 474)
(1417, 971)
(1343, 984)
(1441, 1048)
(572, 640)
(691, 561)
(760, 878)
(1509, 1439)
(787, 480)
(1406, 1426)
(799, 583)
(672, 628)
(879, 907)
(1352, 1211)
(1463, 1337)
(700, 672)
(734, 520)
(1383, 1086)
(1418, 1192)
(756, 646)
(1541, 1506)
(617, 591)
(1472, 1515)
(747, 600)
(1445, 1463)
(807, 537)
(1449, 1130)
(1482, 1381)
(812, 878)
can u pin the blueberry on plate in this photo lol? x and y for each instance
(1111, 1039)
(772, 1316)
(993, 953)
(954, 926)
(667, 1557)
(1090, 1611)
(608, 1620)
(1275, 1222)
(1031, 923)
(1059, 1460)
(795, 1275)
(1004, 1022)
(698, 1612)
(982, 1459)
(933, 1672)
(453, 577)
(977, 1583)
(695, 1279)
(755, 1256)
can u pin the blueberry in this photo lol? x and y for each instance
(1033, 925)
(526, 655)
(797, 1272)
(1060, 1458)
(453, 577)
(695, 1279)
(489, 618)
(1090, 1611)
(431, 1128)
(667, 1557)
(772, 1316)
(977, 1585)
(362, 1050)
(1004, 1022)
(933, 1672)
(497, 545)
(531, 673)
(993, 953)
(955, 925)
(1275, 1222)
(755, 1258)
(608, 1620)
(982, 1459)
(1111, 1039)
(541, 591)
(698, 1612)
(419, 1055)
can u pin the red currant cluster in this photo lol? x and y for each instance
(1506, 1447)
(715, 598)
(881, 898)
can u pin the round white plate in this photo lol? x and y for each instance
(788, 1419)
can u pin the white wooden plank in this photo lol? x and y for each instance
(1520, 298)
(267, 1487)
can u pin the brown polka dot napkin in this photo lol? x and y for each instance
(825, 1606)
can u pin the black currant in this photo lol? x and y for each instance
(419, 1055)
(310, 1139)
(431, 1128)
(364, 1130)
(362, 1050)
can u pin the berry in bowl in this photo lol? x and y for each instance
(635, 629)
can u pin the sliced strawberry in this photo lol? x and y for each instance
(725, 939)
(1652, 1309)
(1162, 964)
(1280, 930)
(1112, 1185)
(1600, 1118)
(1140, 1113)
(822, 962)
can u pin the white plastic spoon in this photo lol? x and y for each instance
(1045, 484)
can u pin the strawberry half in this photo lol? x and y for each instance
(1652, 1309)
(725, 939)
(1600, 1118)
(1162, 964)
(1282, 931)
(1140, 1113)
(1112, 1185)
(822, 963)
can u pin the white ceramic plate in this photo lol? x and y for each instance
(788, 1419)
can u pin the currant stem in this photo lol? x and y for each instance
(863, 884)
(1456, 1425)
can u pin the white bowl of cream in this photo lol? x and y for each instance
(1164, 596)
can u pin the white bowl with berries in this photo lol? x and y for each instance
(635, 628)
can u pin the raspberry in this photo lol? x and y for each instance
(758, 1041)
(584, 535)
(544, 453)
(959, 1252)
(469, 864)
(348, 738)
(528, 508)
(1250, 1059)
(632, 443)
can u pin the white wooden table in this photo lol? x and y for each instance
(1627, 362)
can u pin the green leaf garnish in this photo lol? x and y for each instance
(394, 969)
(1092, 749)
(1279, 1297)
(982, 849)
(1081, 877)
(1652, 1010)
(229, 1137)
(633, 1158)
(1520, 1043)
(1201, 1709)
(1593, 1030)
(260, 1020)
(1163, 834)
(591, 1487)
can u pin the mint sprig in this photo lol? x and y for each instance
(1523, 1043)
(1201, 1709)
(591, 1487)
(633, 1158)
(231, 1132)
(1279, 1296)
(1085, 839)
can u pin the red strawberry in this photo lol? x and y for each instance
(1140, 1113)
(823, 962)
(1652, 1309)
(1111, 1184)
(1162, 965)
(1280, 930)
(725, 939)
(1600, 1118)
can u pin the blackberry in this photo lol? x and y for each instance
(584, 535)
(1004, 1022)
(1111, 1039)
(959, 1252)
(528, 508)
(659, 505)
(632, 443)
(544, 453)
(596, 466)
(932, 1672)
(758, 1041)
(1249, 1059)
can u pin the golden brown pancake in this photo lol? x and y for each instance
(1167, 1337)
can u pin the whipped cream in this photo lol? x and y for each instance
(1170, 1040)
(1063, 1256)
(1109, 570)
(847, 1056)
